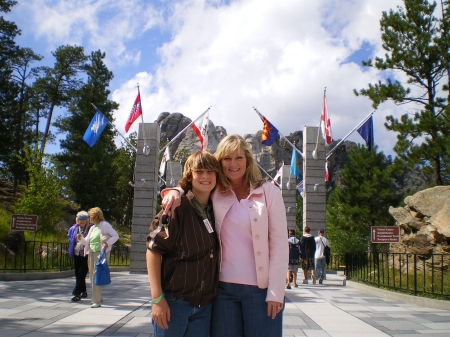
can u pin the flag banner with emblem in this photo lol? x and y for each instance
(327, 176)
(201, 130)
(95, 129)
(165, 158)
(269, 132)
(136, 111)
(294, 164)
(300, 188)
(366, 132)
(325, 122)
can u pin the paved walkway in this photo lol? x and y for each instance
(43, 308)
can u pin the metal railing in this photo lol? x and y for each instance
(50, 256)
(416, 274)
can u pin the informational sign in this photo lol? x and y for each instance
(385, 234)
(23, 222)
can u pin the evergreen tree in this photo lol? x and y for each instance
(90, 173)
(60, 83)
(362, 201)
(413, 39)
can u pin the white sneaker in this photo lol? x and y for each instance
(95, 305)
(313, 277)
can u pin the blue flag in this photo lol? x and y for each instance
(300, 187)
(366, 132)
(294, 164)
(95, 129)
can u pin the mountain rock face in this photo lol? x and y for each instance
(270, 158)
(424, 226)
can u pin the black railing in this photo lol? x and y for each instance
(50, 256)
(416, 274)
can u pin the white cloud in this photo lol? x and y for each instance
(274, 55)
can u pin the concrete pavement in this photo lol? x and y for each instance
(38, 308)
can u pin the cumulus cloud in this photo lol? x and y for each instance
(232, 55)
(276, 56)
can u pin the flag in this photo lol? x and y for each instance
(300, 188)
(165, 158)
(278, 175)
(201, 130)
(327, 176)
(269, 132)
(366, 132)
(294, 164)
(325, 122)
(95, 129)
(136, 111)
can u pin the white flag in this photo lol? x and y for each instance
(201, 130)
(278, 175)
(165, 158)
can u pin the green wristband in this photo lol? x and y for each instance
(158, 299)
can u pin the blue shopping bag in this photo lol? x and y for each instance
(102, 275)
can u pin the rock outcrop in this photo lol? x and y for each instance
(424, 226)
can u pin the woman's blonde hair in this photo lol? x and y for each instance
(232, 143)
(201, 160)
(96, 214)
(81, 215)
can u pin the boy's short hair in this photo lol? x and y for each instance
(291, 232)
(201, 160)
(307, 229)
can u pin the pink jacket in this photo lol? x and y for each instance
(269, 227)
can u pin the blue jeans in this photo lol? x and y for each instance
(241, 310)
(320, 267)
(186, 320)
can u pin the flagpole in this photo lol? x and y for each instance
(343, 139)
(314, 153)
(287, 140)
(132, 146)
(267, 174)
(179, 134)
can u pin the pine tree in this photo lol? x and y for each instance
(361, 201)
(413, 39)
(90, 173)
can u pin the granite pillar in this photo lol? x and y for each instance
(145, 192)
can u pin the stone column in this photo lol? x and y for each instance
(145, 193)
(289, 193)
(173, 173)
(314, 200)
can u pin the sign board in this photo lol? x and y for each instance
(385, 234)
(23, 222)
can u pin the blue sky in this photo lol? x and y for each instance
(231, 55)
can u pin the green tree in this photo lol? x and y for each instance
(413, 39)
(90, 172)
(43, 197)
(60, 83)
(362, 201)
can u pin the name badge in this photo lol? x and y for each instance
(208, 226)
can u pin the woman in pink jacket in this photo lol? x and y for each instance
(251, 226)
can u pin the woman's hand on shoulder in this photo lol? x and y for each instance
(161, 313)
(171, 201)
(273, 308)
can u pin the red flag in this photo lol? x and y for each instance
(325, 122)
(201, 130)
(136, 111)
(327, 176)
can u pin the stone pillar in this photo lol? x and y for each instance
(173, 173)
(314, 199)
(289, 193)
(145, 193)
